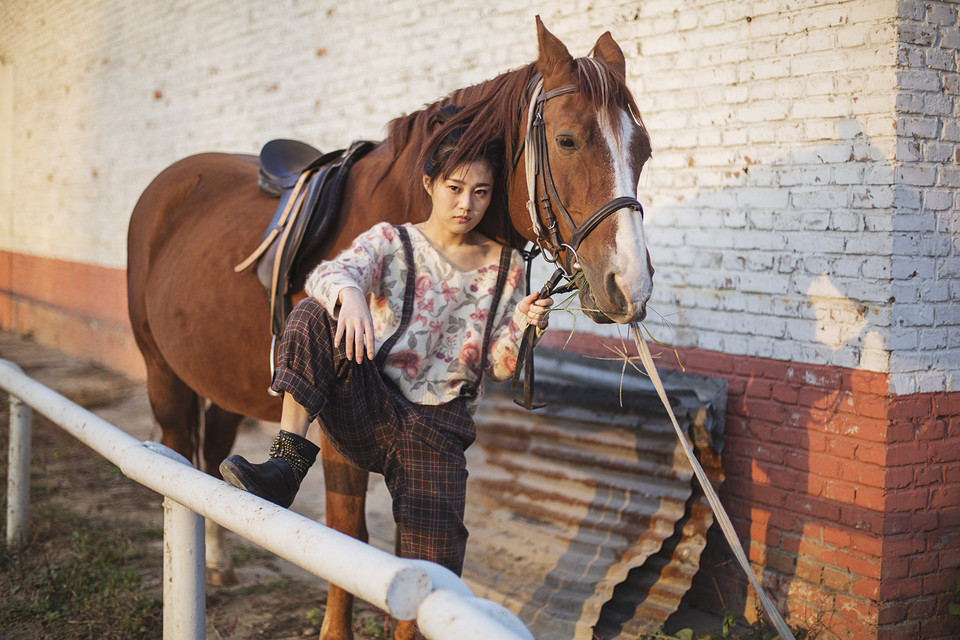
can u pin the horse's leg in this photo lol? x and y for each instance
(219, 434)
(177, 409)
(346, 495)
(175, 406)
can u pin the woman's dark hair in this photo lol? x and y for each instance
(451, 141)
(443, 151)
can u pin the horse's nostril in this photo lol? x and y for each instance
(619, 300)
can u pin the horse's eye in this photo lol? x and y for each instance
(566, 142)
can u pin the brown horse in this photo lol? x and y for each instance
(204, 330)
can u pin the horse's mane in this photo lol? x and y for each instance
(495, 109)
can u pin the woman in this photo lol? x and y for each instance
(388, 351)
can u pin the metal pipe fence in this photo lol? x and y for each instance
(441, 602)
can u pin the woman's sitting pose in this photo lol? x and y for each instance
(388, 351)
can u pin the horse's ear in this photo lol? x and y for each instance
(554, 57)
(609, 51)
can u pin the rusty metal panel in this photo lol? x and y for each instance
(584, 514)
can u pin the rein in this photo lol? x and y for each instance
(542, 198)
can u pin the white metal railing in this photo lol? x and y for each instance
(441, 602)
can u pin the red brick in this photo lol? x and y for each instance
(860, 615)
(860, 565)
(807, 570)
(782, 520)
(900, 478)
(815, 397)
(907, 453)
(871, 476)
(948, 453)
(839, 491)
(901, 432)
(868, 588)
(945, 496)
(758, 390)
(824, 465)
(950, 519)
(817, 553)
(871, 546)
(895, 523)
(872, 407)
(923, 564)
(874, 431)
(834, 579)
(932, 430)
(837, 537)
(901, 589)
(874, 499)
(891, 612)
(861, 519)
(902, 546)
(940, 582)
(785, 393)
(896, 569)
(911, 407)
(871, 453)
(817, 442)
(908, 630)
(927, 475)
(787, 478)
(842, 447)
(907, 500)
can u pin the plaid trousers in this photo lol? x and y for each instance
(419, 449)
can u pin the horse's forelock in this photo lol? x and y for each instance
(606, 91)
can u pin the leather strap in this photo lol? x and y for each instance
(722, 518)
(408, 296)
(272, 234)
(471, 390)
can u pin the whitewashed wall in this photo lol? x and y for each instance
(782, 198)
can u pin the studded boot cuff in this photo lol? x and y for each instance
(299, 453)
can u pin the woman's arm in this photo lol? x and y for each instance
(505, 338)
(342, 285)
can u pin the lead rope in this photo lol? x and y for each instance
(722, 518)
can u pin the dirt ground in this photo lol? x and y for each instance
(78, 497)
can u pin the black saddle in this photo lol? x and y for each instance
(309, 185)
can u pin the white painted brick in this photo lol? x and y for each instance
(810, 92)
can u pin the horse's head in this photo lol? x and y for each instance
(592, 146)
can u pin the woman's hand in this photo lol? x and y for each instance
(355, 325)
(536, 310)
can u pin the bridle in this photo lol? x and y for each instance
(543, 197)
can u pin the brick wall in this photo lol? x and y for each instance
(925, 340)
(846, 499)
(801, 212)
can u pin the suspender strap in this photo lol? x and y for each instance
(470, 390)
(408, 295)
(494, 306)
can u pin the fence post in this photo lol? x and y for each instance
(184, 568)
(18, 474)
(184, 591)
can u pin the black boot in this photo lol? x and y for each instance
(278, 479)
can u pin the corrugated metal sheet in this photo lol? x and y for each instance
(584, 514)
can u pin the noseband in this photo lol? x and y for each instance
(543, 196)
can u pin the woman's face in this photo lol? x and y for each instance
(460, 200)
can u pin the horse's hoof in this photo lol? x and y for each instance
(221, 577)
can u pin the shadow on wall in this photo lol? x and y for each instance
(745, 268)
(791, 264)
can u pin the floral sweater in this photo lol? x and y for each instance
(440, 349)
